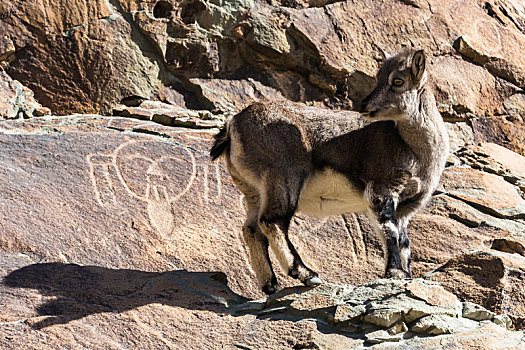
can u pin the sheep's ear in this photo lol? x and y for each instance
(418, 65)
(385, 55)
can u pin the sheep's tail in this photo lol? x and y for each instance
(221, 144)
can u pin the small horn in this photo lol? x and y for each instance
(384, 54)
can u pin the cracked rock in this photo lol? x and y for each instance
(476, 312)
(503, 320)
(441, 324)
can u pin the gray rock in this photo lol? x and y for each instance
(381, 336)
(16, 100)
(248, 307)
(414, 309)
(393, 334)
(374, 290)
(515, 105)
(398, 328)
(345, 312)
(476, 312)
(384, 317)
(503, 320)
(460, 134)
(442, 324)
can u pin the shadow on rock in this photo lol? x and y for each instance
(79, 291)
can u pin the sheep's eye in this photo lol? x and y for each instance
(398, 82)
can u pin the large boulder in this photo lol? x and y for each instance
(125, 221)
(109, 220)
(223, 55)
(17, 101)
(78, 56)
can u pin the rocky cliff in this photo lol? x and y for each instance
(219, 56)
(120, 233)
(116, 231)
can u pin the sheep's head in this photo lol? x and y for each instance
(399, 81)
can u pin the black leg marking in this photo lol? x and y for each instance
(299, 270)
(385, 210)
(290, 260)
(404, 245)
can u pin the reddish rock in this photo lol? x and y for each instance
(505, 131)
(79, 56)
(235, 95)
(487, 192)
(509, 245)
(475, 277)
(488, 54)
(126, 222)
(513, 162)
(357, 27)
(481, 225)
(490, 278)
(432, 294)
(437, 238)
(135, 203)
(464, 89)
(281, 48)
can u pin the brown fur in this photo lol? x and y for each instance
(284, 156)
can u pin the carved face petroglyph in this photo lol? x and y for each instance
(160, 178)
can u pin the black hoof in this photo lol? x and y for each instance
(398, 274)
(271, 288)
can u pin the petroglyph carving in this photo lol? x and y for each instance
(159, 174)
(99, 173)
(490, 32)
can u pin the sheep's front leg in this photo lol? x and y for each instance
(383, 209)
(404, 248)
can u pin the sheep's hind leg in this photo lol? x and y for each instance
(255, 240)
(259, 259)
(274, 220)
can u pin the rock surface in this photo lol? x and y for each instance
(489, 278)
(118, 232)
(216, 55)
(126, 222)
(17, 101)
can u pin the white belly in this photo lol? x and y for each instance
(327, 193)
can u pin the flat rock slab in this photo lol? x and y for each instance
(119, 200)
(116, 232)
(124, 193)
(487, 192)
